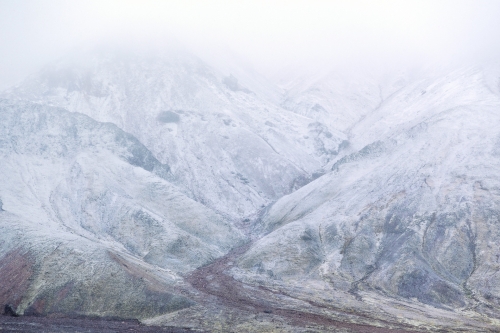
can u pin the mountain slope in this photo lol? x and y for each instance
(411, 216)
(227, 144)
(91, 221)
(399, 227)
(336, 99)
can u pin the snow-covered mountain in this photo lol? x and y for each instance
(88, 213)
(226, 141)
(333, 98)
(363, 197)
(411, 214)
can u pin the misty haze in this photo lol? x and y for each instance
(250, 166)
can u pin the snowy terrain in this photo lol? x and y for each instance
(412, 214)
(136, 174)
(80, 198)
(226, 143)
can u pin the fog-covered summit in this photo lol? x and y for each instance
(227, 141)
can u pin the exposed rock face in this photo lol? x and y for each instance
(91, 223)
(15, 270)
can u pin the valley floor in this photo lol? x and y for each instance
(30, 324)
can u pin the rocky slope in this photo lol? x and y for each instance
(411, 214)
(90, 223)
(125, 196)
(226, 141)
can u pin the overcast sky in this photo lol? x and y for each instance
(269, 34)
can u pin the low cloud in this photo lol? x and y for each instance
(270, 34)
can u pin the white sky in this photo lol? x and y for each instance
(269, 34)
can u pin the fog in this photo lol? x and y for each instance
(269, 34)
